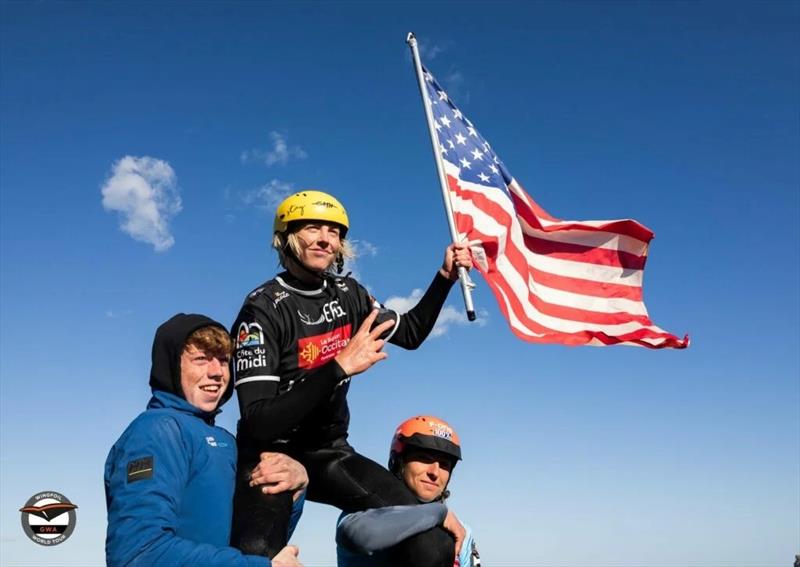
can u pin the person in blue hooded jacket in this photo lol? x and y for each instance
(169, 479)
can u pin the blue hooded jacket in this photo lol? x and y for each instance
(169, 479)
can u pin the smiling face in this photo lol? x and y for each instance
(426, 473)
(204, 377)
(317, 244)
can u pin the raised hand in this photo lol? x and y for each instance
(364, 348)
(455, 256)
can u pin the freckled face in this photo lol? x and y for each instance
(204, 378)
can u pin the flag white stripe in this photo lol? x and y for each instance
(598, 223)
(521, 328)
(583, 270)
(593, 239)
(514, 320)
(517, 189)
(520, 290)
(596, 239)
(489, 225)
(587, 302)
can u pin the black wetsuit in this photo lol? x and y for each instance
(293, 399)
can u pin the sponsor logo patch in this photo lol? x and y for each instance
(319, 349)
(330, 312)
(140, 469)
(309, 320)
(249, 334)
(48, 518)
(249, 358)
(279, 296)
(439, 430)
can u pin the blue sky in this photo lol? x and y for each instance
(684, 116)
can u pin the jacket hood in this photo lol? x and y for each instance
(165, 372)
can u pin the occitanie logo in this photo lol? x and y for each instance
(310, 353)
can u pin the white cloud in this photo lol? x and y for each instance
(403, 304)
(454, 83)
(428, 52)
(268, 196)
(144, 191)
(280, 153)
(361, 249)
(111, 314)
(448, 316)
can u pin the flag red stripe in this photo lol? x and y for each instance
(555, 281)
(585, 254)
(516, 259)
(626, 227)
(465, 224)
(583, 337)
(587, 287)
(528, 202)
(557, 311)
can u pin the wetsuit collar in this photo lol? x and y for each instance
(292, 283)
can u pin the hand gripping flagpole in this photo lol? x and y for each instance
(466, 284)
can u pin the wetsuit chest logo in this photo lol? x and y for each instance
(331, 311)
(317, 350)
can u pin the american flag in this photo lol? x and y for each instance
(556, 281)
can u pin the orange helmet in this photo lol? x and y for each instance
(425, 432)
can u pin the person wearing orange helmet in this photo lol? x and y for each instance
(423, 454)
(300, 337)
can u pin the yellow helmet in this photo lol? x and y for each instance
(310, 206)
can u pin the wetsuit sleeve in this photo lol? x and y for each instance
(266, 413)
(415, 325)
(143, 501)
(379, 528)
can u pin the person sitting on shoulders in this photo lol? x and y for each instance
(300, 339)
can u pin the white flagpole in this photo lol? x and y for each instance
(466, 284)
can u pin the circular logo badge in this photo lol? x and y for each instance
(48, 518)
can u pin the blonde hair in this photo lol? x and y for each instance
(282, 240)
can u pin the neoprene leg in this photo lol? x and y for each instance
(260, 521)
(343, 478)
